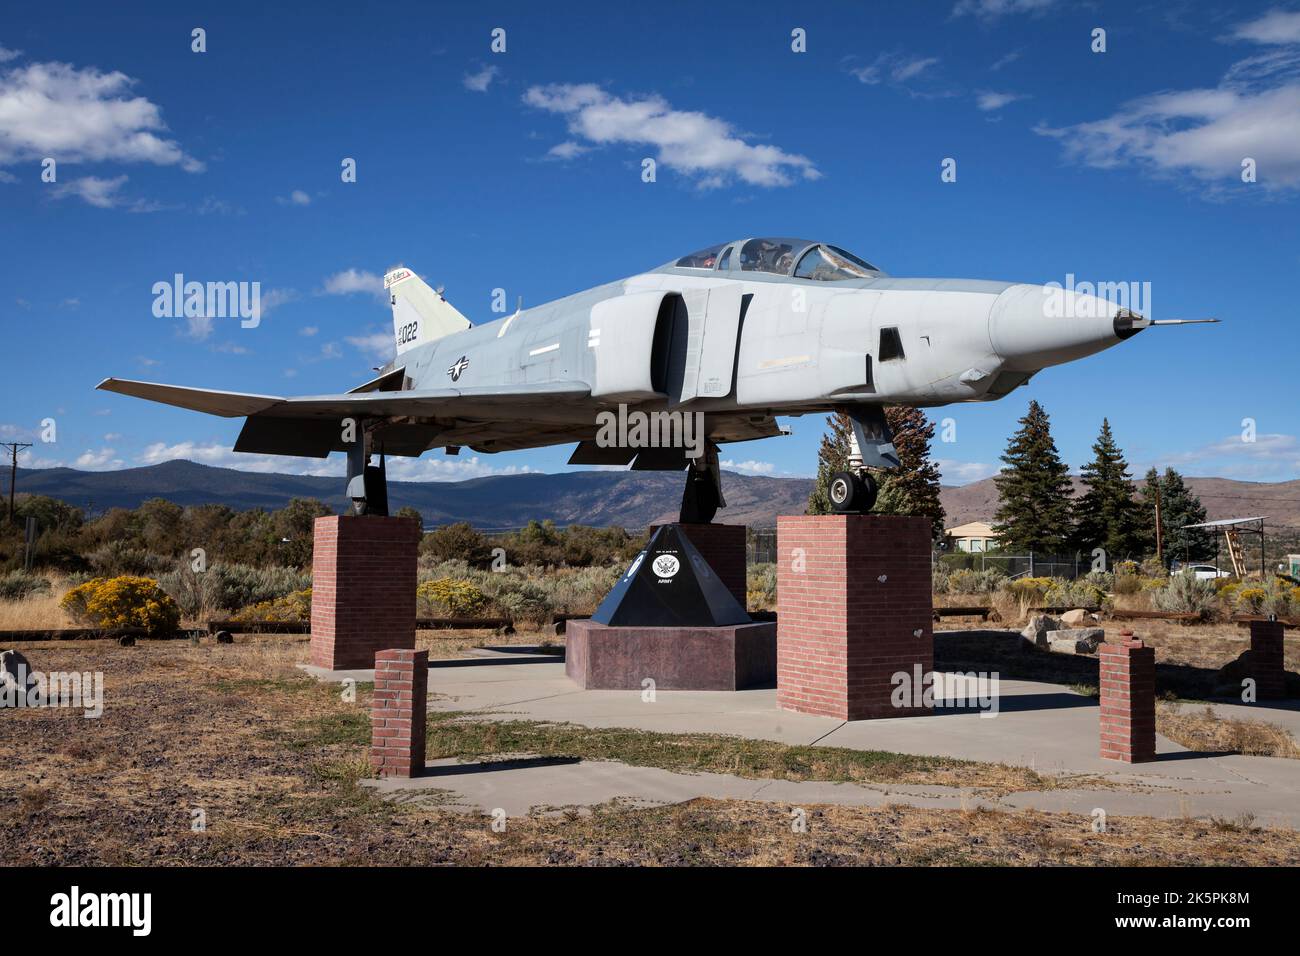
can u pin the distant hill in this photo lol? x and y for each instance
(1222, 497)
(601, 498)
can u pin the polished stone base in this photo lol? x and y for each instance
(734, 657)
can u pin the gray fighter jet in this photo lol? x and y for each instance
(659, 369)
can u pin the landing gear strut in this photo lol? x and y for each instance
(703, 494)
(871, 445)
(367, 483)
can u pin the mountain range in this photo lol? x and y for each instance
(628, 499)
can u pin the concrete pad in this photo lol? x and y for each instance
(1046, 727)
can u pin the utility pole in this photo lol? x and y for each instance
(14, 448)
(1159, 540)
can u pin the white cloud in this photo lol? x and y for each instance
(354, 280)
(988, 10)
(379, 345)
(101, 193)
(99, 460)
(567, 150)
(81, 115)
(1207, 133)
(1270, 457)
(198, 327)
(1276, 26)
(295, 198)
(308, 330)
(480, 81)
(274, 298)
(987, 100)
(964, 472)
(895, 68)
(1006, 60)
(695, 144)
(7, 55)
(749, 467)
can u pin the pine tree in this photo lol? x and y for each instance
(833, 456)
(1178, 509)
(1035, 490)
(913, 488)
(1107, 515)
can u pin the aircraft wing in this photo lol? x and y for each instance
(418, 403)
(495, 418)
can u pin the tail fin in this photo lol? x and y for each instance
(420, 314)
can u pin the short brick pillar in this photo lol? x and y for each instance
(854, 610)
(398, 711)
(725, 548)
(362, 589)
(1266, 660)
(1128, 700)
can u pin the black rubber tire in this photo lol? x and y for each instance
(852, 494)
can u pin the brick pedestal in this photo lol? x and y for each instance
(398, 712)
(724, 547)
(363, 589)
(733, 657)
(853, 610)
(1128, 700)
(1266, 660)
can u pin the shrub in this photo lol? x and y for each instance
(760, 587)
(1030, 589)
(520, 598)
(123, 601)
(229, 587)
(1250, 600)
(295, 607)
(967, 581)
(117, 559)
(939, 579)
(17, 585)
(1080, 593)
(1185, 593)
(457, 541)
(459, 597)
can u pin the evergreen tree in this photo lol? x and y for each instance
(832, 456)
(1107, 515)
(1034, 488)
(1178, 508)
(913, 488)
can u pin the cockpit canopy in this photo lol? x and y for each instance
(796, 258)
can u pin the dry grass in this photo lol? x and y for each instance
(274, 760)
(38, 612)
(1201, 729)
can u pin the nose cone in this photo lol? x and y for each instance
(1034, 326)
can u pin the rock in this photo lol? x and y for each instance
(225, 637)
(1075, 617)
(1036, 631)
(15, 675)
(1075, 640)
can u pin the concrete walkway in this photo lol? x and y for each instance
(1046, 727)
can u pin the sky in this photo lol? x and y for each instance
(521, 169)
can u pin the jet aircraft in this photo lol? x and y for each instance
(735, 336)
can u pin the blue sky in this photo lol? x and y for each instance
(521, 170)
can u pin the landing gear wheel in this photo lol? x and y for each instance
(700, 499)
(851, 493)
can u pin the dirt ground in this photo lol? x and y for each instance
(268, 761)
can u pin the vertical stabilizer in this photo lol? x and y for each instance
(420, 314)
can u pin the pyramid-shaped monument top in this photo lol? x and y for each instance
(669, 584)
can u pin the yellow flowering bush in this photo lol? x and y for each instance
(460, 597)
(295, 607)
(123, 601)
